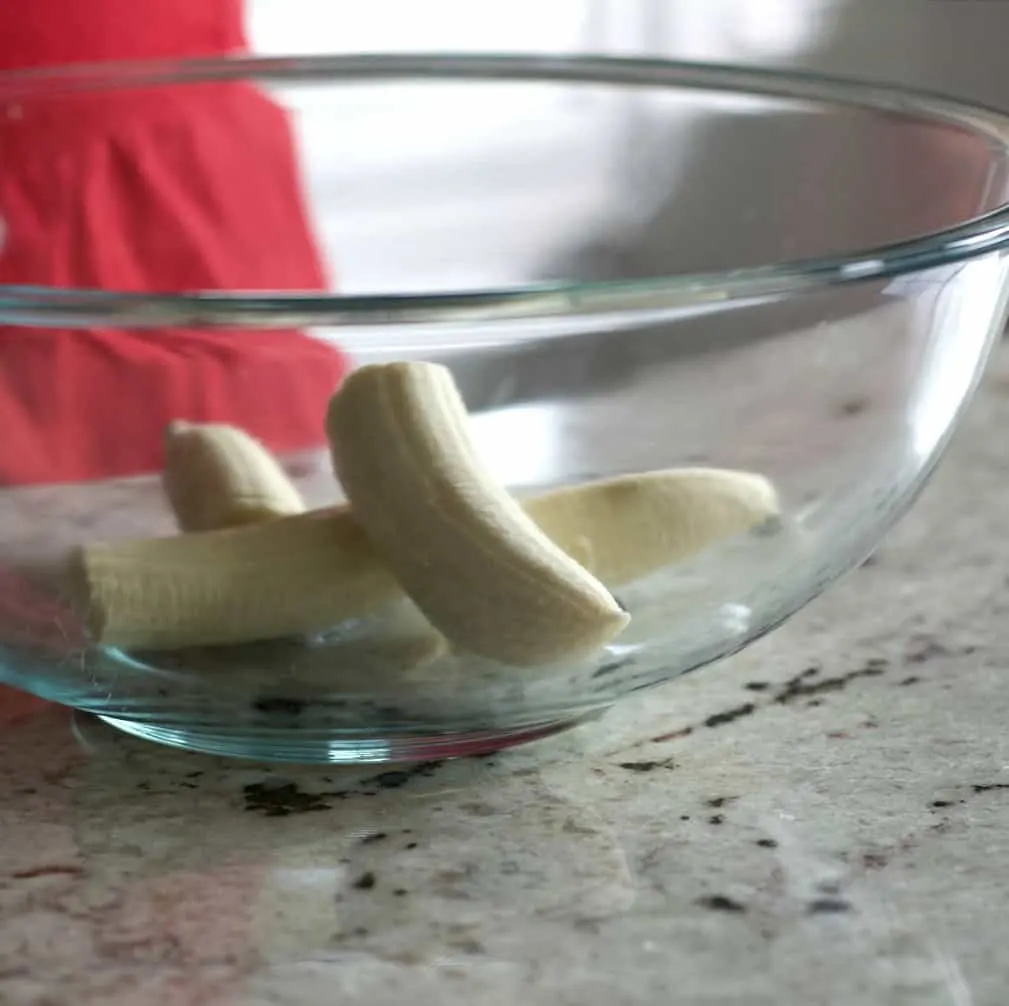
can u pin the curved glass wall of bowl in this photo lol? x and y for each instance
(838, 378)
(534, 147)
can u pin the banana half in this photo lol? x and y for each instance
(217, 476)
(464, 550)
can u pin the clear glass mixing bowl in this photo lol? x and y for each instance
(628, 265)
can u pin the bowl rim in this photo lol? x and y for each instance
(84, 308)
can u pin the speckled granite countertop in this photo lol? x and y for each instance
(823, 819)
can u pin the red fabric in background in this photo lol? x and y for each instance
(163, 190)
(47, 32)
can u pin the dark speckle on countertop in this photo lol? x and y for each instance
(806, 685)
(828, 906)
(279, 706)
(730, 715)
(646, 766)
(801, 686)
(365, 882)
(721, 903)
(673, 735)
(854, 406)
(281, 799)
(719, 801)
(49, 870)
(277, 798)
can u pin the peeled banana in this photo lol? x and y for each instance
(284, 577)
(217, 476)
(310, 572)
(464, 550)
(622, 528)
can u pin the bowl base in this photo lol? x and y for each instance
(328, 747)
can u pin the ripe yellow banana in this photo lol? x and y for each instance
(622, 528)
(217, 476)
(464, 550)
(308, 573)
(284, 577)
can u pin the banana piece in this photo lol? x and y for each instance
(623, 528)
(217, 476)
(308, 573)
(284, 577)
(464, 550)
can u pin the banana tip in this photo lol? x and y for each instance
(177, 427)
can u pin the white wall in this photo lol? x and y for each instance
(952, 45)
